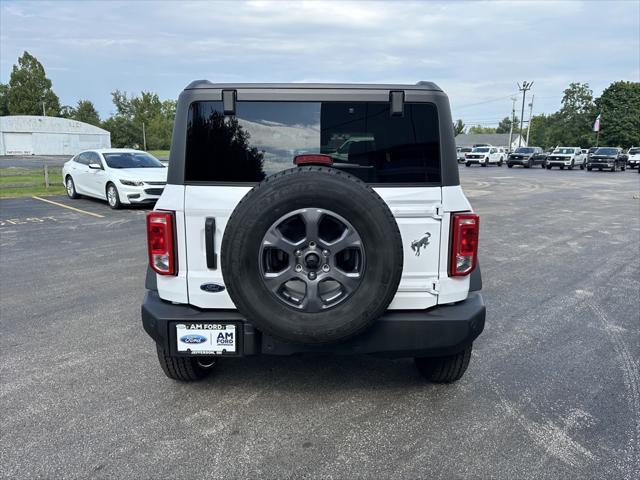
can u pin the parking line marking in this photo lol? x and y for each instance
(70, 208)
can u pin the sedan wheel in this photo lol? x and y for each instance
(71, 188)
(112, 196)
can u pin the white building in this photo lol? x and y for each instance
(34, 135)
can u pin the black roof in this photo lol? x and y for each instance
(203, 84)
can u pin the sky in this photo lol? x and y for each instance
(475, 51)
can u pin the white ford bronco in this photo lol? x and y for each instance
(277, 235)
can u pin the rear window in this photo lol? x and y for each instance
(264, 137)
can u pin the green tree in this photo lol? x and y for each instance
(30, 89)
(572, 125)
(86, 112)
(124, 133)
(619, 106)
(505, 125)
(4, 103)
(481, 129)
(132, 112)
(458, 127)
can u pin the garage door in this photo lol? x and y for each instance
(18, 143)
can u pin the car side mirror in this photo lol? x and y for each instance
(95, 166)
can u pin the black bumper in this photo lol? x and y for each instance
(440, 330)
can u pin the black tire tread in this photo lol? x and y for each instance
(446, 369)
(183, 369)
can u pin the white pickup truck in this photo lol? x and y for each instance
(566, 157)
(484, 156)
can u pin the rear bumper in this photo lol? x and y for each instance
(441, 330)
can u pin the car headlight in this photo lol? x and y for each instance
(131, 183)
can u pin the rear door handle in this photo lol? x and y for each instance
(210, 242)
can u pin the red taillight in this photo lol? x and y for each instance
(465, 228)
(313, 159)
(160, 242)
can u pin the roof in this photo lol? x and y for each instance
(112, 150)
(41, 124)
(496, 139)
(422, 85)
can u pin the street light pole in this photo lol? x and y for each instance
(530, 115)
(513, 120)
(525, 86)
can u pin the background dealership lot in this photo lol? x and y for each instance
(552, 390)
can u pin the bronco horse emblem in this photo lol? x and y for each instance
(416, 245)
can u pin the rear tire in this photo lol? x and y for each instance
(185, 369)
(445, 369)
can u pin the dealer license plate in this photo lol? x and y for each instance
(206, 338)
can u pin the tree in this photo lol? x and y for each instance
(505, 125)
(458, 127)
(619, 105)
(573, 123)
(4, 105)
(132, 112)
(124, 133)
(30, 89)
(86, 112)
(481, 129)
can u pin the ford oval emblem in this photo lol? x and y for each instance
(212, 287)
(193, 338)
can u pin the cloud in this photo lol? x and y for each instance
(476, 51)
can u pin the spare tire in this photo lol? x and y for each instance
(312, 255)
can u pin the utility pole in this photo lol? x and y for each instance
(525, 86)
(530, 115)
(144, 138)
(44, 113)
(513, 120)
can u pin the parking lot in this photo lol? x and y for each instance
(553, 389)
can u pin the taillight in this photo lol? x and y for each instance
(464, 243)
(160, 242)
(313, 159)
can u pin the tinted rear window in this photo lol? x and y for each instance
(264, 137)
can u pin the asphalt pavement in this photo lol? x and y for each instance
(552, 391)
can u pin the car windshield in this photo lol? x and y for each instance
(564, 151)
(481, 149)
(525, 150)
(465, 149)
(634, 151)
(606, 151)
(131, 160)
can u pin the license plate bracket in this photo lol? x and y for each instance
(205, 338)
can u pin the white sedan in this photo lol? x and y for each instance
(117, 175)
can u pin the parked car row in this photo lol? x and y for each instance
(611, 158)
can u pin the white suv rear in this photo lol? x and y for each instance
(313, 218)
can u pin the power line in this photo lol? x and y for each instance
(456, 107)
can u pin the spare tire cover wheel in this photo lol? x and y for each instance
(312, 255)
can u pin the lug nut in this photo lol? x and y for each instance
(298, 268)
(298, 253)
(325, 267)
(325, 253)
(312, 244)
(312, 275)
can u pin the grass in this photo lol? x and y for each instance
(26, 182)
(159, 154)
